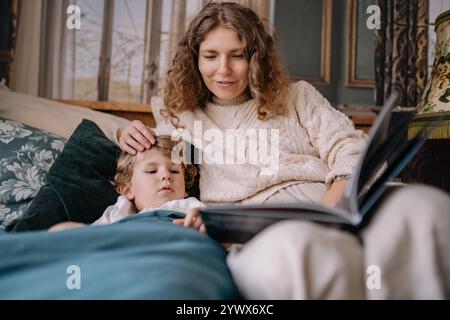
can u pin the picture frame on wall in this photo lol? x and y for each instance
(360, 71)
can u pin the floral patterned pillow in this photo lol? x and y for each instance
(26, 155)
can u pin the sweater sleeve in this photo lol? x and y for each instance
(331, 132)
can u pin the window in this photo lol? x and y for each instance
(87, 50)
(127, 52)
(123, 49)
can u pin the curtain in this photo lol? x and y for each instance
(402, 50)
(42, 65)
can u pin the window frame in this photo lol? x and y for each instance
(152, 38)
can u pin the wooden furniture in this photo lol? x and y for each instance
(362, 117)
(131, 111)
(431, 165)
(363, 122)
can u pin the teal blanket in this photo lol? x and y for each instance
(141, 257)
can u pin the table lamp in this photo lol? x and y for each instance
(432, 164)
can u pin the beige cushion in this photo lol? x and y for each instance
(163, 125)
(58, 118)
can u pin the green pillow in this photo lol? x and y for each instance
(78, 186)
(26, 155)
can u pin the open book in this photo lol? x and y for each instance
(385, 156)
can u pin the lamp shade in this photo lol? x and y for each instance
(436, 96)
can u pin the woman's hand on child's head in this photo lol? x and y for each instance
(136, 137)
(192, 220)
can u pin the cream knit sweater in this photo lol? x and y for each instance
(316, 144)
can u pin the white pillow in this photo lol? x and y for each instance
(58, 118)
(163, 125)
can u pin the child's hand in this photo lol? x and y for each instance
(65, 225)
(192, 220)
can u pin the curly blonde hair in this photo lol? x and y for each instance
(164, 144)
(185, 89)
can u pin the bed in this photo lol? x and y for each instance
(56, 162)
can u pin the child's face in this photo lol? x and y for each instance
(155, 180)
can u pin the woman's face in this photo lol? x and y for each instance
(222, 63)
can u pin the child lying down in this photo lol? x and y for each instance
(149, 181)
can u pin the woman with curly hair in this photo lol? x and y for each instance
(225, 76)
(226, 73)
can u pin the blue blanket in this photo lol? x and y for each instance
(140, 257)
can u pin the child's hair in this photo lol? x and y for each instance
(164, 144)
(185, 89)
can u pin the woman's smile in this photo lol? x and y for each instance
(225, 84)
